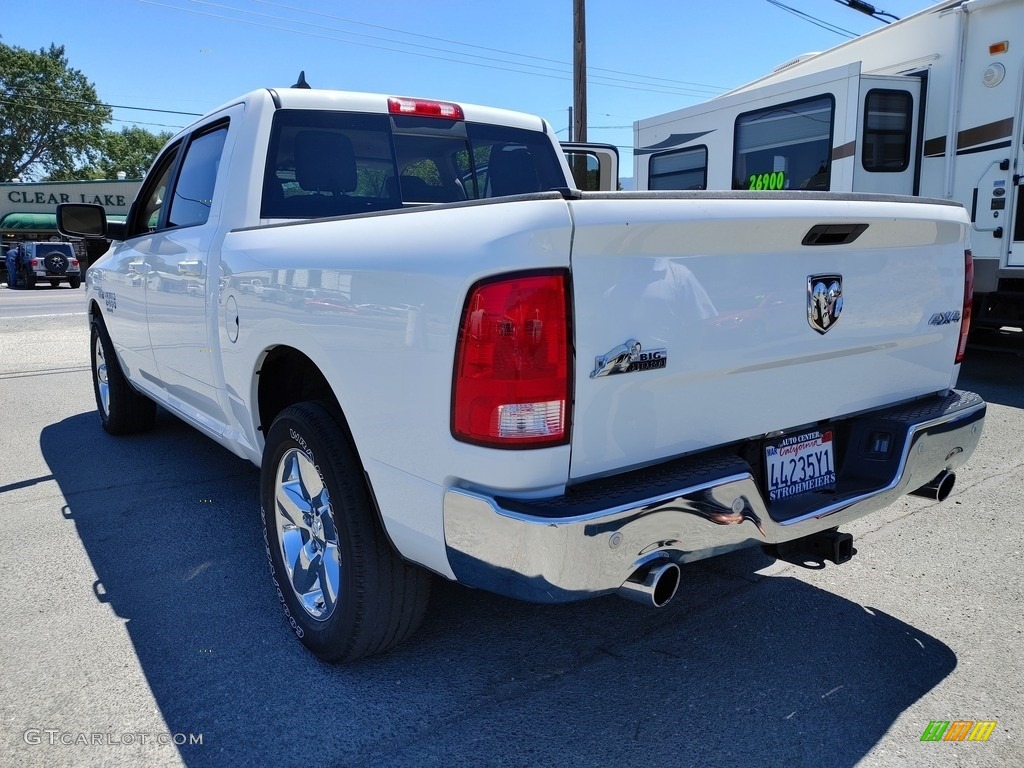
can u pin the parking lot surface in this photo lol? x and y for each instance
(139, 620)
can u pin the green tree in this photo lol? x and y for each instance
(50, 118)
(130, 150)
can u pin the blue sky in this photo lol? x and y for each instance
(644, 56)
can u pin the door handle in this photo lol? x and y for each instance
(193, 267)
(138, 267)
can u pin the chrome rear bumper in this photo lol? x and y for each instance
(591, 540)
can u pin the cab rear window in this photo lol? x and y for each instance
(336, 163)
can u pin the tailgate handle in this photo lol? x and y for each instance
(833, 234)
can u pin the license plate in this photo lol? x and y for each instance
(799, 464)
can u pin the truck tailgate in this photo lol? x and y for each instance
(695, 325)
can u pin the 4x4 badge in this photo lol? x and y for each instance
(824, 301)
(629, 358)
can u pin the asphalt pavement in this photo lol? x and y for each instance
(139, 619)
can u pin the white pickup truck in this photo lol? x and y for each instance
(447, 359)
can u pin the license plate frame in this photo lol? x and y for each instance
(799, 463)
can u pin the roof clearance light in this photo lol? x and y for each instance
(425, 108)
(1002, 47)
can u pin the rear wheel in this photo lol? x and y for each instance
(122, 410)
(346, 593)
(30, 280)
(74, 282)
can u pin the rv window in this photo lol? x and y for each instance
(887, 118)
(679, 169)
(785, 146)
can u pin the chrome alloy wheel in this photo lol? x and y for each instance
(102, 384)
(308, 536)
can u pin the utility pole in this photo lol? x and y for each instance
(579, 71)
(579, 89)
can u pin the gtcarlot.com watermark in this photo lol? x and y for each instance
(53, 737)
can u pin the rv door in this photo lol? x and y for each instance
(595, 167)
(1015, 204)
(886, 151)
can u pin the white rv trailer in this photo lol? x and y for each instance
(932, 105)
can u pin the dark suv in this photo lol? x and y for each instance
(54, 263)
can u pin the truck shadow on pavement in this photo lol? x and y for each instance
(995, 371)
(739, 670)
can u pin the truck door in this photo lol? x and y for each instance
(886, 151)
(182, 288)
(122, 281)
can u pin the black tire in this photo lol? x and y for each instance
(55, 262)
(122, 410)
(74, 282)
(380, 600)
(30, 280)
(54, 283)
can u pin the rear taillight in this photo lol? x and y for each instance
(35, 263)
(512, 363)
(965, 320)
(74, 262)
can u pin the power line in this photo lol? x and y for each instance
(669, 90)
(814, 20)
(868, 10)
(484, 47)
(111, 106)
(83, 114)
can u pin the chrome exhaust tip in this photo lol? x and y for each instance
(654, 587)
(939, 488)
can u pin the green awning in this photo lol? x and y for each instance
(37, 222)
(46, 221)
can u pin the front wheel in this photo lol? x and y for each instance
(54, 283)
(74, 282)
(122, 410)
(346, 593)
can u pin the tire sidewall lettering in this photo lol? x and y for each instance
(301, 442)
(299, 632)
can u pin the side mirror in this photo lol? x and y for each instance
(81, 220)
(87, 220)
(595, 167)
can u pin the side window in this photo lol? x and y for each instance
(193, 192)
(328, 164)
(509, 161)
(150, 203)
(785, 146)
(679, 169)
(887, 121)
